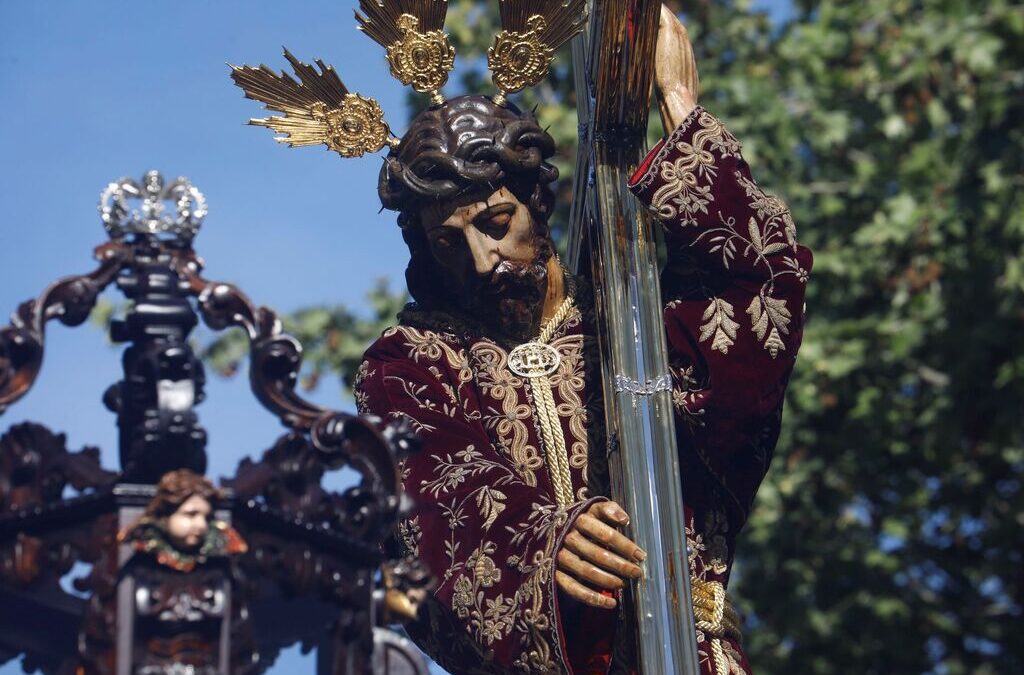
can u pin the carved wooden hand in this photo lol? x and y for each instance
(596, 557)
(675, 71)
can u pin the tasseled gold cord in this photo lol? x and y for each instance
(713, 610)
(547, 414)
(554, 440)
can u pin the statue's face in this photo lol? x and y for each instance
(492, 259)
(187, 527)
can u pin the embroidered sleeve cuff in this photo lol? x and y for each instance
(644, 174)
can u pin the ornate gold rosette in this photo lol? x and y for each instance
(357, 127)
(422, 60)
(318, 109)
(531, 32)
(411, 31)
(520, 60)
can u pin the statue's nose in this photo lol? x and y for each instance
(483, 251)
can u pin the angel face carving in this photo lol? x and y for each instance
(187, 527)
(177, 529)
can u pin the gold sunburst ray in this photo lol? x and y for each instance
(318, 108)
(412, 33)
(531, 32)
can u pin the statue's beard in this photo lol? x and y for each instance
(510, 301)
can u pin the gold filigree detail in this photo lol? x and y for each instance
(418, 50)
(357, 127)
(519, 60)
(767, 239)
(422, 60)
(318, 108)
(531, 32)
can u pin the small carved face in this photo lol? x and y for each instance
(492, 258)
(187, 527)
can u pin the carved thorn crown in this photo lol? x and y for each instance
(319, 109)
(152, 207)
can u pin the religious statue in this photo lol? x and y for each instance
(182, 577)
(497, 366)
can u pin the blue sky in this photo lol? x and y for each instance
(95, 90)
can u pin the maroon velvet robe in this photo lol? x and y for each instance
(486, 521)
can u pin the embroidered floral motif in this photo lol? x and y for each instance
(769, 208)
(496, 380)
(362, 400)
(569, 380)
(409, 533)
(470, 488)
(719, 326)
(689, 179)
(765, 310)
(688, 395)
(490, 619)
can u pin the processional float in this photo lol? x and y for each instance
(284, 560)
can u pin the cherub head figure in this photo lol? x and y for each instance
(183, 506)
(177, 526)
(471, 182)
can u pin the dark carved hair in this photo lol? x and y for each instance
(469, 144)
(174, 489)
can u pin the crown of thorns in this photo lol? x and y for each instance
(319, 109)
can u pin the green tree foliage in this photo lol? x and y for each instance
(888, 536)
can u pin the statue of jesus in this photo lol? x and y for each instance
(496, 366)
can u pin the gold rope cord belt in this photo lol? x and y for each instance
(713, 610)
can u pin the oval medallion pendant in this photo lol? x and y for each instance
(533, 359)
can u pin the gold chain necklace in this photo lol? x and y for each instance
(535, 360)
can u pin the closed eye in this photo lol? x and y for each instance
(447, 238)
(495, 221)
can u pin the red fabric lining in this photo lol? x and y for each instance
(644, 165)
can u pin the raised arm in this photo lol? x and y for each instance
(734, 284)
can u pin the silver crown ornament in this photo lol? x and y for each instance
(152, 207)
